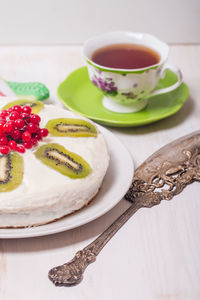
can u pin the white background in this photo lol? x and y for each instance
(72, 21)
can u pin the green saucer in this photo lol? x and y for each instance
(78, 94)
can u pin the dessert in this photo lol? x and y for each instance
(52, 162)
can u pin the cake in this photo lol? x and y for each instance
(54, 176)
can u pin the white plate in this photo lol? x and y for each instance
(116, 183)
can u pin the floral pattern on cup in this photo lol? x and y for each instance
(127, 90)
(129, 95)
(106, 85)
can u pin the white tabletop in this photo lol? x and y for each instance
(155, 256)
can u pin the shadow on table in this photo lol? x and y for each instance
(170, 122)
(87, 232)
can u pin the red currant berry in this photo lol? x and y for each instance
(17, 108)
(33, 128)
(28, 120)
(9, 110)
(27, 145)
(35, 119)
(8, 126)
(4, 149)
(16, 134)
(12, 145)
(3, 140)
(26, 109)
(43, 132)
(26, 136)
(11, 122)
(34, 141)
(3, 118)
(37, 137)
(2, 133)
(4, 113)
(26, 117)
(2, 122)
(14, 115)
(19, 123)
(20, 149)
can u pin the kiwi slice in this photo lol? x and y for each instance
(11, 171)
(60, 159)
(71, 127)
(35, 105)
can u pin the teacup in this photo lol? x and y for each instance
(128, 90)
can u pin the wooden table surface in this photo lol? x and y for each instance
(155, 256)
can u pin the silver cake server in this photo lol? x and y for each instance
(162, 176)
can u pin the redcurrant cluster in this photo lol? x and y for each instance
(19, 129)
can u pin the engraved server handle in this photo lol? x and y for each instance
(168, 180)
(71, 273)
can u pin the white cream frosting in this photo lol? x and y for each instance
(45, 194)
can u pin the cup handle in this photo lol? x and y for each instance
(177, 71)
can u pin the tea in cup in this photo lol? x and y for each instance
(126, 67)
